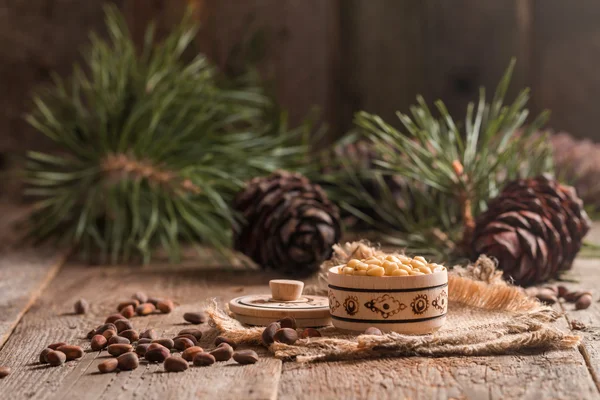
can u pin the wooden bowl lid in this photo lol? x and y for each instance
(263, 309)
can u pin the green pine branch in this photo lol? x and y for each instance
(151, 148)
(451, 170)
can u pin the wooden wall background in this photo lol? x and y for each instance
(339, 55)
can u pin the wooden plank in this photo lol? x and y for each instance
(51, 320)
(24, 272)
(470, 44)
(392, 50)
(593, 235)
(556, 375)
(296, 46)
(587, 276)
(23, 277)
(36, 38)
(566, 42)
(553, 375)
(163, 13)
(383, 65)
(11, 215)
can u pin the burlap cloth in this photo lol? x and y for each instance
(486, 316)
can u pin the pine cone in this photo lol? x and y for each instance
(534, 228)
(290, 224)
(576, 162)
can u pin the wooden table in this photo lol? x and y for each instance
(38, 289)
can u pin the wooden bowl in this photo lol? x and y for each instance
(403, 304)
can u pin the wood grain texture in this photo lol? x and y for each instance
(586, 276)
(41, 37)
(340, 56)
(567, 42)
(38, 37)
(10, 215)
(164, 14)
(394, 50)
(24, 272)
(383, 57)
(470, 43)
(51, 320)
(294, 41)
(557, 375)
(554, 375)
(23, 277)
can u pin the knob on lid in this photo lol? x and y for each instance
(285, 300)
(285, 289)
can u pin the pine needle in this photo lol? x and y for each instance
(450, 172)
(151, 148)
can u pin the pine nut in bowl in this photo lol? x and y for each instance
(394, 293)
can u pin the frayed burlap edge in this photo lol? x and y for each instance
(231, 328)
(519, 323)
(390, 346)
(523, 331)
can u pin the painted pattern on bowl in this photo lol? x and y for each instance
(407, 304)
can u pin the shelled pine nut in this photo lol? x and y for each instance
(390, 265)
